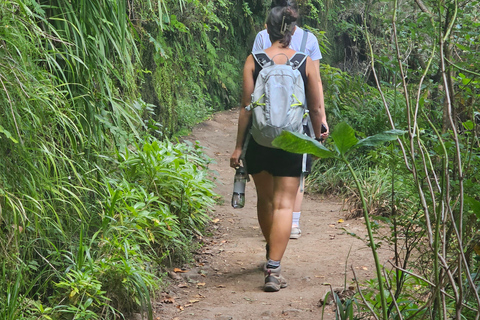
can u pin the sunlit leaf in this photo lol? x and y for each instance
(344, 137)
(300, 143)
(380, 138)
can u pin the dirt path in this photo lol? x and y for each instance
(226, 282)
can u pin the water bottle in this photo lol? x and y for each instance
(239, 182)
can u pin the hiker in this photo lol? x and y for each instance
(275, 172)
(312, 49)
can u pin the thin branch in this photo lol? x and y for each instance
(462, 69)
(423, 7)
(392, 295)
(361, 295)
(430, 283)
(385, 104)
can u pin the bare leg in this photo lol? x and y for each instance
(298, 200)
(264, 186)
(276, 198)
(284, 192)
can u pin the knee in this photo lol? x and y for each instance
(265, 202)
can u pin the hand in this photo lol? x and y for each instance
(325, 131)
(235, 158)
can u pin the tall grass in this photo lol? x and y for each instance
(90, 207)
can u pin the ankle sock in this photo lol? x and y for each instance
(272, 264)
(296, 219)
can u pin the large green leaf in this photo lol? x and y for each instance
(474, 205)
(300, 143)
(344, 137)
(380, 138)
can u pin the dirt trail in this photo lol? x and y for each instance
(226, 282)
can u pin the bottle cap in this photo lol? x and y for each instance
(240, 170)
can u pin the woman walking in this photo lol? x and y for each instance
(307, 43)
(275, 172)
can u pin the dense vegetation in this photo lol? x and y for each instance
(95, 198)
(413, 66)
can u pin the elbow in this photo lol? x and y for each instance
(314, 111)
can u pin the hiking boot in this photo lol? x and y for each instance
(295, 233)
(273, 280)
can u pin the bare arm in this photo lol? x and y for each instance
(315, 101)
(244, 116)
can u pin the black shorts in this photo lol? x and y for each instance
(277, 162)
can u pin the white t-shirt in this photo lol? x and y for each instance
(262, 41)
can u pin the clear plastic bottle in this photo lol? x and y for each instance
(239, 182)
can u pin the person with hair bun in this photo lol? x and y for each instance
(275, 172)
(312, 49)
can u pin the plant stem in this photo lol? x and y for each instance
(370, 238)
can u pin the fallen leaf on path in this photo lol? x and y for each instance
(215, 220)
(178, 270)
(168, 300)
(364, 268)
(331, 225)
(193, 301)
(200, 284)
(220, 286)
(340, 221)
(325, 283)
(319, 276)
(183, 285)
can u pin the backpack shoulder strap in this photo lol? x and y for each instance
(298, 59)
(262, 58)
(304, 40)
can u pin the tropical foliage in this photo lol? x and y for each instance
(410, 65)
(94, 199)
(97, 196)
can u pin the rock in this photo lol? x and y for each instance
(291, 311)
(174, 276)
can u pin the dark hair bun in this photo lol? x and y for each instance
(281, 24)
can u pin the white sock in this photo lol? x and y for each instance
(296, 219)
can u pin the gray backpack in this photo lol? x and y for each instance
(278, 100)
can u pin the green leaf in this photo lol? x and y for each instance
(344, 137)
(300, 143)
(469, 125)
(474, 205)
(380, 138)
(7, 134)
